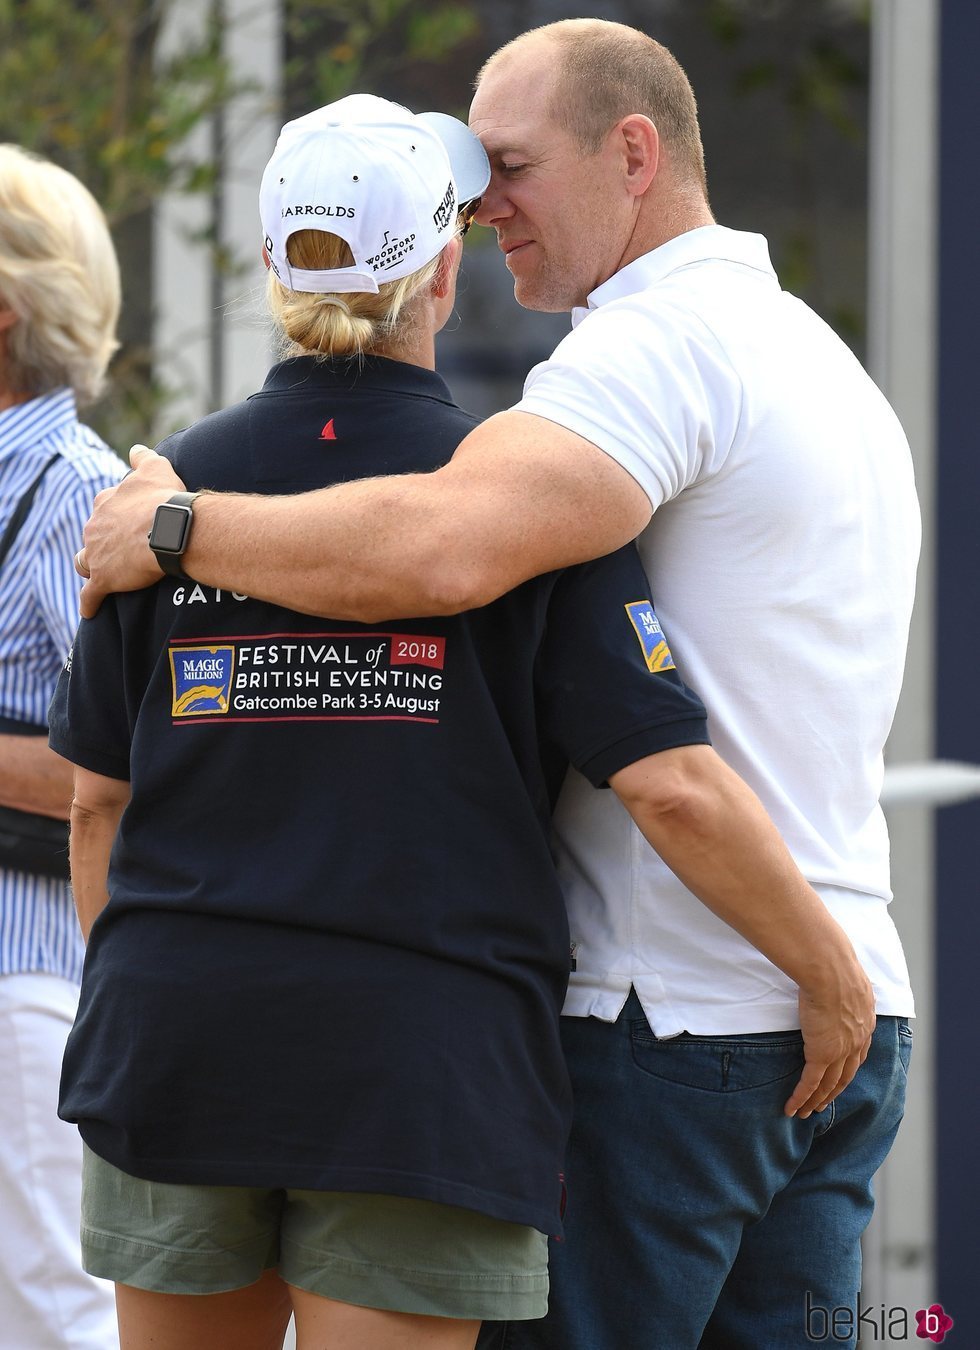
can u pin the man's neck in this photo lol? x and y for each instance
(665, 214)
(671, 227)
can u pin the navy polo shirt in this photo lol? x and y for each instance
(335, 951)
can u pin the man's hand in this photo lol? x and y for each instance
(837, 1029)
(116, 555)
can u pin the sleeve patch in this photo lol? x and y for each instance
(656, 653)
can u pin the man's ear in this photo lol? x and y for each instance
(448, 263)
(640, 147)
(7, 317)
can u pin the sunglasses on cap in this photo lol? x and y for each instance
(466, 213)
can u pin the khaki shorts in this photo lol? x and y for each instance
(377, 1251)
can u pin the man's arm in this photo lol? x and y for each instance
(33, 778)
(714, 833)
(521, 496)
(95, 813)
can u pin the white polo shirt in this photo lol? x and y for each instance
(782, 556)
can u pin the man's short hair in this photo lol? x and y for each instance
(59, 275)
(607, 71)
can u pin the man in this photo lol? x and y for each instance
(59, 302)
(782, 554)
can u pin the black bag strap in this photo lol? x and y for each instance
(20, 512)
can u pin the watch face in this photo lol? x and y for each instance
(170, 528)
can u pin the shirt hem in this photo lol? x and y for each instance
(378, 1181)
(606, 1001)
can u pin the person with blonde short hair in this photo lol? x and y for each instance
(58, 276)
(59, 302)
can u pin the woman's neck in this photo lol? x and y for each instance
(8, 399)
(417, 348)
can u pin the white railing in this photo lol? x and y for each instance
(935, 782)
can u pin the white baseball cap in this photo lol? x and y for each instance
(388, 181)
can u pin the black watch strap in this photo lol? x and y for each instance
(170, 562)
(169, 554)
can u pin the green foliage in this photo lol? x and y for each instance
(822, 84)
(84, 84)
(375, 46)
(819, 85)
(87, 84)
(725, 22)
(819, 82)
(816, 78)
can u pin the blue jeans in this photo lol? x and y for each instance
(699, 1216)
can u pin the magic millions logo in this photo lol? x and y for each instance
(646, 625)
(201, 680)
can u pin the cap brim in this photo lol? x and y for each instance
(470, 166)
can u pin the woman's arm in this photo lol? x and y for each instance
(95, 813)
(34, 778)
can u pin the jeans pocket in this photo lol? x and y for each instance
(719, 1063)
(904, 1044)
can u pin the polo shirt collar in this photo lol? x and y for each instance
(708, 242)
(26, 424)
(367, 374)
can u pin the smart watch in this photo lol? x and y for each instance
(171, 532)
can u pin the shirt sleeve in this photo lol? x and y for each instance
(90, 718)
(651, 388)
(608, 690)
(57, 585)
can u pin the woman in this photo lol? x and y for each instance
(316, 1065)
(59, 305)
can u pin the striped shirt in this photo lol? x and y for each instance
(38, 618)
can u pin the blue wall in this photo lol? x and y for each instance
(958, 668)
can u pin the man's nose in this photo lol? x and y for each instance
(494, 206)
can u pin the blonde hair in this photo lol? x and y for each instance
(339, 325)
(607, 71)
(59, 275)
